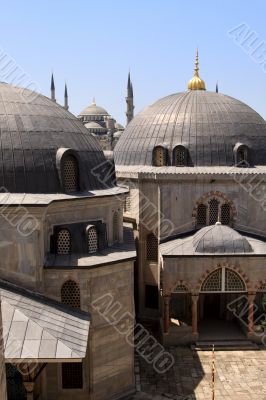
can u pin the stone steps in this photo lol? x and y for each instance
(220, 345)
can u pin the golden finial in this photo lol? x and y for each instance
(93, 102)
(196, 83)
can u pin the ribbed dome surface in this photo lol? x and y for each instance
(209, 124)
(32, 129)
(93, 109)
(220, 239)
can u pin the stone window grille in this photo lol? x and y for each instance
(213, 211)
(115, 227)
(127, 204)
(225, 214)
(70, 174)
(202, 215)
(92, 237)
(63, 242)
(159, 156)
(223, 280)
(180, 289)
(70, 294)
(72, 376)
(152, 248)
(180, 156)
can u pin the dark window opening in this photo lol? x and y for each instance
(72, 376)
(151, 296)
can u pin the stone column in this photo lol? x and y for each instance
(195, 298)
(29, 386)
(251, 298)
(166, 313)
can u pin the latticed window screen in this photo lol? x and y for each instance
(225, 214)
(70, 174)
(63, 242)
(127, 204)
(180, 156)
(242, 155)
(180, 289)
(214, 282)
(213, 211)
(159, 156)
(72, 376)
(202, 215)
(92, 240)
(233, 282)
(115, 226)
(262, 287)
(70, 294)
(152, 248)
(223, 280)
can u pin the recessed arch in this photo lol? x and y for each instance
(63, 241)
(223, 279)
(160, 156)
(242, 155)
(180, 156)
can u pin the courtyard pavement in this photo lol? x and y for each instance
(240, 375)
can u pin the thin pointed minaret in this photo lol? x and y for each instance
(130, 100)
(66, 107)
(52, 88)
(217, 89)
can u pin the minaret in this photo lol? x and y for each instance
(66, 98)
(217, 89)
(53, 88)
(130, 100)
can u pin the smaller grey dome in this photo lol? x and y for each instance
(119, 127)
(220, 238)
(93, 109)
(94, 127)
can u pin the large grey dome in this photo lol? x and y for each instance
(32, 129)
(220, 238)
(209, 124)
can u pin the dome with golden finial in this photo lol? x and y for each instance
(196, 83)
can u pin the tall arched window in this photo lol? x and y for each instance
(70, 294)
(92, 238)
(180, 156)
(72, 373)
(159, 156)
(152, 248)
(63, 245)
(70, 174)
(115, 227)
(202, 215)
(213, 211)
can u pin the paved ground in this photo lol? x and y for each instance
(241, 375)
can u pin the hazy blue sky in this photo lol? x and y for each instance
(92, 44)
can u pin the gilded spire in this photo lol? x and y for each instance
(196, 83)
(93, 102)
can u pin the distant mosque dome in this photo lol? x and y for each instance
(93, 112)
(220, 238)
(94, 127)
(194, 128)
(119, 127)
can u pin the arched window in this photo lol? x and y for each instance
(92, 237)
(159, 156)
(152, 248)
(70, 294)
(72, 373)
(202, 215)
(115, 227)
(212, 211)
(63, 242)
(127, 204)
(223, 280)
(180, 156)
(242, 155)
(70, 174)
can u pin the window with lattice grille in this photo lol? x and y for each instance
(225, 214)
(92, 235)
(180, 289)
(223, 280)
(127, 204)
(115, 227)
(70, 294)
(213, 211)
(262, 287)
(72, 376)
(63, 242)
(233, 282)
(180, 156)
(152, 248)
(202, 215)
(70, 174)
(242, 156)
(159, 156)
